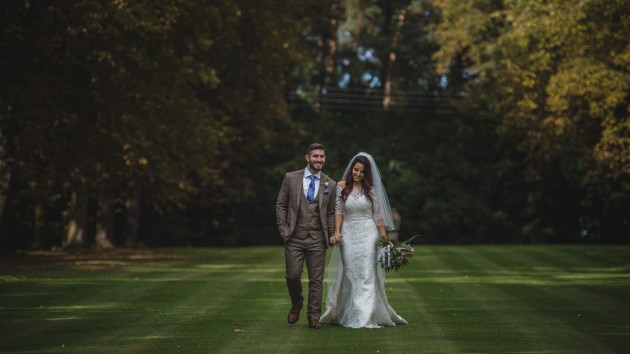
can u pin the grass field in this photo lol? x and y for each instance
(457, 299)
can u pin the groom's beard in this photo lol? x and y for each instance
(313, 165)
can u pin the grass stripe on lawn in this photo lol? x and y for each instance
(457, 299)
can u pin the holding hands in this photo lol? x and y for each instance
(336, 238)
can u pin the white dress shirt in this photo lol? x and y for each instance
(307, 181)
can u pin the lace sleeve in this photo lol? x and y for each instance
(338, 203)
(377, 214)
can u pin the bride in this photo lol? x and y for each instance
(356, 292)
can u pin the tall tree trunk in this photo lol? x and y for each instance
(77, 218)
(41, 231)
(331, 57)
(5, 183)
(326, 59)
(387, 96)
(132, 206)
(319, 60)
(105, 219)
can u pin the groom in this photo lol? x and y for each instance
(305, 212)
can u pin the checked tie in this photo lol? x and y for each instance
(310, 195)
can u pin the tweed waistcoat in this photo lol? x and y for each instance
(308, 221)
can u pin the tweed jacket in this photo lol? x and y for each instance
(288, 202)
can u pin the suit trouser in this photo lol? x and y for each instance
(313, 251)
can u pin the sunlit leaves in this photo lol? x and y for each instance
(558, 61)
(583, 81)
(556, 75)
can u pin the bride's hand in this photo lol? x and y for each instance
(336, 238)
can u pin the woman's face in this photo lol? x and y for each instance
(358, 172)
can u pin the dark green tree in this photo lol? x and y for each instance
(554, 75)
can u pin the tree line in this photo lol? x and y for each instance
(156, 123)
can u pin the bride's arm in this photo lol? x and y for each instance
(381, 229)
(378, 219)
(382, 232)
(338, 213)
(338, 222)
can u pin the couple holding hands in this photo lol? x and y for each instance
(313, 212)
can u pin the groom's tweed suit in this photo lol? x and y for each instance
(305, 228)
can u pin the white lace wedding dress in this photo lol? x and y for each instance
(356, 294)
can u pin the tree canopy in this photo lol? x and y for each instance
(171, 123)
(555, 77)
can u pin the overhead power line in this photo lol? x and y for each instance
(402, 101)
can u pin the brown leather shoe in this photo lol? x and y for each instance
(294, 315)
(314, 324)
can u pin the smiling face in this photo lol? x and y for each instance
(358, 172)
(316, 160)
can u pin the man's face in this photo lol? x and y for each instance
(316, 160)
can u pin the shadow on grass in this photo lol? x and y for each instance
(456, 299)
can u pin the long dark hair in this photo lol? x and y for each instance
(366, 182)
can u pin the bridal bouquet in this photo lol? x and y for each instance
(393, 258)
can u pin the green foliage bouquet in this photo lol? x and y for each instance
(394, 255)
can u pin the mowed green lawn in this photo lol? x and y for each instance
(457, 299)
